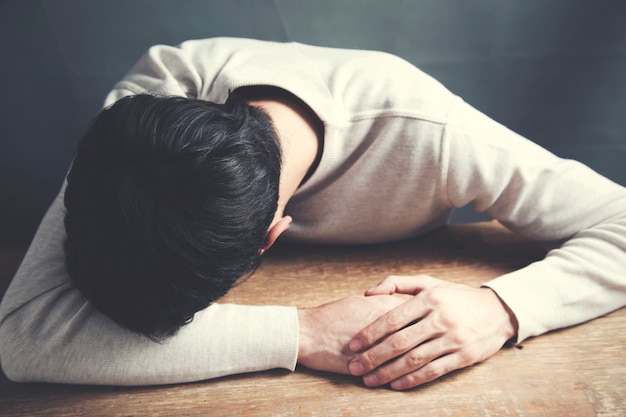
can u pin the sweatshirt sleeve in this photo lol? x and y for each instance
(574, 210)
(168, 70)
(50, 333)
(194, 69)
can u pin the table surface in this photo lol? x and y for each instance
(579, 371)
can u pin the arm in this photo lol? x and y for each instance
(536, 194)
(559, 202)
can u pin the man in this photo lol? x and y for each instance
(175, 194)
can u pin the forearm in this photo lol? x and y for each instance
(50, 333)
(70, 342)
(546, 199)
(572, 285)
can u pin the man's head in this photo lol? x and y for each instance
(168, 203)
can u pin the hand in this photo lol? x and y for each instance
(326, 330)
(444, 327)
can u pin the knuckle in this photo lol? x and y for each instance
(392, 319)
(439, 324)
(435, 296)
(409, 381)
(431, 373)
(370, 359)
(466, 357)
(414, 360)
(465, 335)
(383, 375)
(365, 335)
(461, 338)
(399, 342)
(444, 321)
(449, 319)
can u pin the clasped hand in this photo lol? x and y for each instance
(443, 327)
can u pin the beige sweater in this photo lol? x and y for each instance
(400, 153)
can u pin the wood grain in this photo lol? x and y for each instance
(579, 371)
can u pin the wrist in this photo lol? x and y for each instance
(319, 344)
(304, 333)
(510, 324)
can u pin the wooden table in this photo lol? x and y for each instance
(580, 371)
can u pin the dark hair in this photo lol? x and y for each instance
(168, 202)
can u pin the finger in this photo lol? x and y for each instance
(404, 284)
(433, 370)
(401, 345)
(390, 322)
(386, 286)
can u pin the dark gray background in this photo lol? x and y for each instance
(553, 70)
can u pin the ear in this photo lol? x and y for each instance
(275, 230)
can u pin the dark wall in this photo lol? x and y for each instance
(553, 70)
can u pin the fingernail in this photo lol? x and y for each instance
(355, 345)
(356, 368)
(370, 380)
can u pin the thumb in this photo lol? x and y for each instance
(404, 284)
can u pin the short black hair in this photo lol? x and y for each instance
(168, 202)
